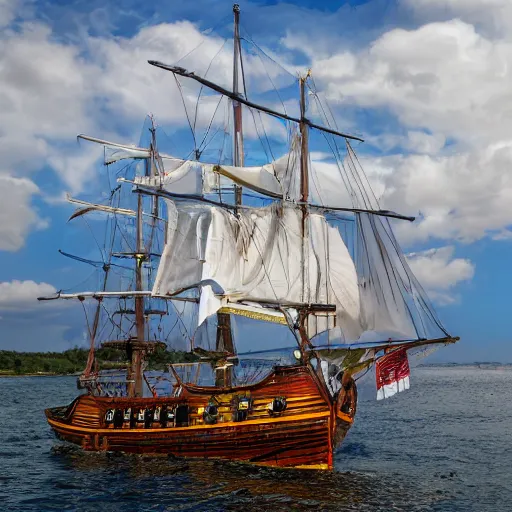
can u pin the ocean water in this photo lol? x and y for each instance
(444, 445)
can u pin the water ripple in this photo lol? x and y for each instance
(442, 446)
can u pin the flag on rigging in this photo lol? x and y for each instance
(392, 373)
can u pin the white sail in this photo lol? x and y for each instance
(197, 178)
(257, 257)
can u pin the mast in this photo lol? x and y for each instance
(135, 348)
(238, 143)
(224, 338)
(304, 176)
(304, 196)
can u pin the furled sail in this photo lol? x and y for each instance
(197, 178)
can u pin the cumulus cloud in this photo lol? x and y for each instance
(18, 216)
(494, 16)
(22, 295)
(7, 11)
(439, 272)
(443, 76)
(464, 196)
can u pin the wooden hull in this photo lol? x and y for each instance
(303, 435)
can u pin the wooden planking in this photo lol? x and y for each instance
(287, 443)
(303, 435)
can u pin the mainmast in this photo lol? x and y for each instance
(238, 142)
(224, 339)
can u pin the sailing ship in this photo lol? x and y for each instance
(316, 288)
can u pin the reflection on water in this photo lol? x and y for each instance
(177, 484)
(443, 445)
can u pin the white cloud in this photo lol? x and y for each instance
(444, 77)
(439, 272)
(18, 216)
(22, 295)
(7, 11)
(464, 196)
(494, 16)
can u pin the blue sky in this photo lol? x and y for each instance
(425, 82)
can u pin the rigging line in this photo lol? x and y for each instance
(357, 179)
(314, 179)
(349, 187)
(124, 168)
(347, 184)
(272, 82)
(202, 86)
(315, 93)
(366, 371)
(427, 308)
(364, 173)
(94, 272)
(95, 240)
(258, 133)
(171, 330)
(209, 128)
(251, 41)
(210, 141)
(113, 322)
(363, 258)
(203, 40)
(337, 156)
(86, 319)
(181, 321)
(241, 65)
(185, 108)
(113, 223)
(266, 136)
(387, 259)
(266, 251)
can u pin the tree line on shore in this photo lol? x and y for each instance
(74, 360)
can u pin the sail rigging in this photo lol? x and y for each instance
(281, 274)
(284, 255)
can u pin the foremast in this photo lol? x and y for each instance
(138, 346)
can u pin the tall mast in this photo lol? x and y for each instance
(135, 346)
(224, 341)
(238, 143)
(304, 177)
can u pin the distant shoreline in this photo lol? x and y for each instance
(482, 366)
(38, 374)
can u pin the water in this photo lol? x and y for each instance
(444, 445)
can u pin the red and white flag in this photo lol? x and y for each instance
(392, 372)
